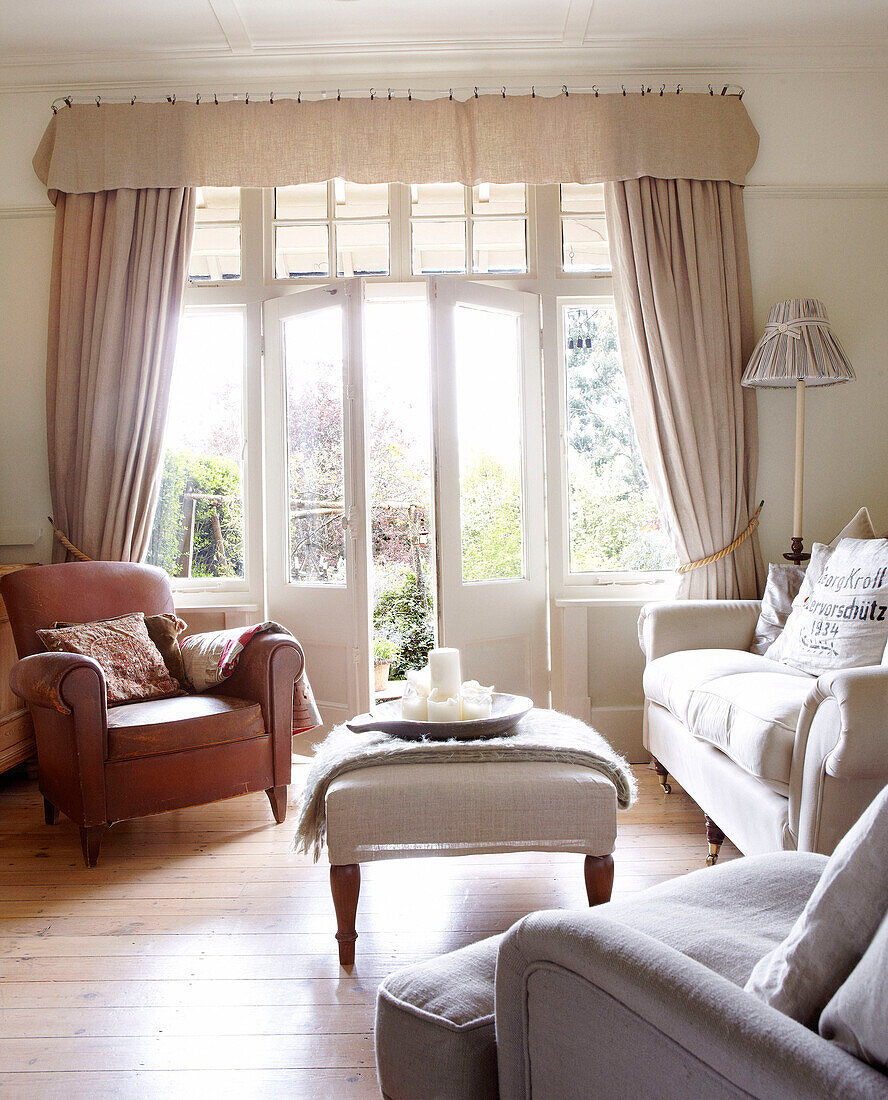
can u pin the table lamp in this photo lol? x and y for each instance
(798, 348)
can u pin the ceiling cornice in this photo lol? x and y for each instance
(464, 64)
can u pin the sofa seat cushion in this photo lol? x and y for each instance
(435, 1031)
(746, 705)
(185, 722)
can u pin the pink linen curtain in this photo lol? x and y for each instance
(120, 263)
(684, 315)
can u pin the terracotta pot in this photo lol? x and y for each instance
(381, 675)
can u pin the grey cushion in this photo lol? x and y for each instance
(784, 582)
(435, 1037)
(835, 927)
(857, 1016)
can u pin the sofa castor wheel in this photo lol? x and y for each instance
(667, 788)
(712, 859)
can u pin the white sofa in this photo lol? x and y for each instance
(775, 758)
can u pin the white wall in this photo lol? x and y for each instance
(817, 212)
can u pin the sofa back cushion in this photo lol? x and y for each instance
(784, 582)
(839, 618)
(801, 975)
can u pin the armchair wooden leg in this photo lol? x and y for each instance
(663, 776)
(91, 841)
(599, 874)
(50, 812)
(277, 796)
(345, 883)
(715, 837)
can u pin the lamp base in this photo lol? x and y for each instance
(796, 554)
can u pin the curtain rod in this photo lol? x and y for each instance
(423, 94)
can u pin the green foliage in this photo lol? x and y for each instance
(385, 649)
(183, 472)
(405, 612)
(490, 502)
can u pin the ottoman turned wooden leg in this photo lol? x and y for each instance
(599, 874)
(345, 884)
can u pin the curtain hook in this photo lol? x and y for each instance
(55, 109)
(450, 97)
(338, 95)
(215, 99)
(662, 89)
(724, 90)
(68, 101)
(299, 97)
(595, 90)
(476, 91)
(642, 91)
(133, 100)
(171, 99)
(410, 95)
(372, 94)
(246, 99)
(533, 92)
(742, 90)
(271, 99)
(564, 89)
(711, 92)
(98, 101)
(623, 86)
(196, 100)
(504, 91)
(678, 89)
(390, 93)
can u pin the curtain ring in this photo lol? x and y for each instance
(565, 90)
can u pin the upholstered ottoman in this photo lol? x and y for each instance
(445, 809)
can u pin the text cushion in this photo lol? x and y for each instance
(185, 722)
(746, 705)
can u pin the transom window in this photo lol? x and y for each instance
(584, 247)
(450, 223)
(216, 247)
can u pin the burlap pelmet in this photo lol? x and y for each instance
(575, 138)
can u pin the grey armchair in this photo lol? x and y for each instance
(637, 998)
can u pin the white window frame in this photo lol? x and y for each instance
(545, 277)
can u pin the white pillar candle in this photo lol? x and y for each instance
(414, 708)
(445, 672)
(420, 681)
(473, 709)
(443, 708)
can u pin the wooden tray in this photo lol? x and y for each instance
(507, 712)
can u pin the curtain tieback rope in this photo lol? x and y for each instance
(729, 549)
(66, 542)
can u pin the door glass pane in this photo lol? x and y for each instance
(199, 523)
(300, 250)
(436, 199)
(498, 246)
(498, 198)
(488, 361)
(362, 248)
(613, 521)
(439, 248)
(313, 357)
(360, 200)
(585, 246)
(399, 449)
(300, 203)
(215, 254)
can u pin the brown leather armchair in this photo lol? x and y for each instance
(100, 764)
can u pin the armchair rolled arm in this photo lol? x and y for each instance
(672, 626)
(46, 680)
(840, 755)
(265, 658)
(583, 999)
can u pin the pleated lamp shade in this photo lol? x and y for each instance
(797, 345)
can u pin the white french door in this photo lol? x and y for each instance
(489, 515)
(316, 536)
(489, 491)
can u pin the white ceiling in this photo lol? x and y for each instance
(88, 39)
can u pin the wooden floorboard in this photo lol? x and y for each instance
(198, 958)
